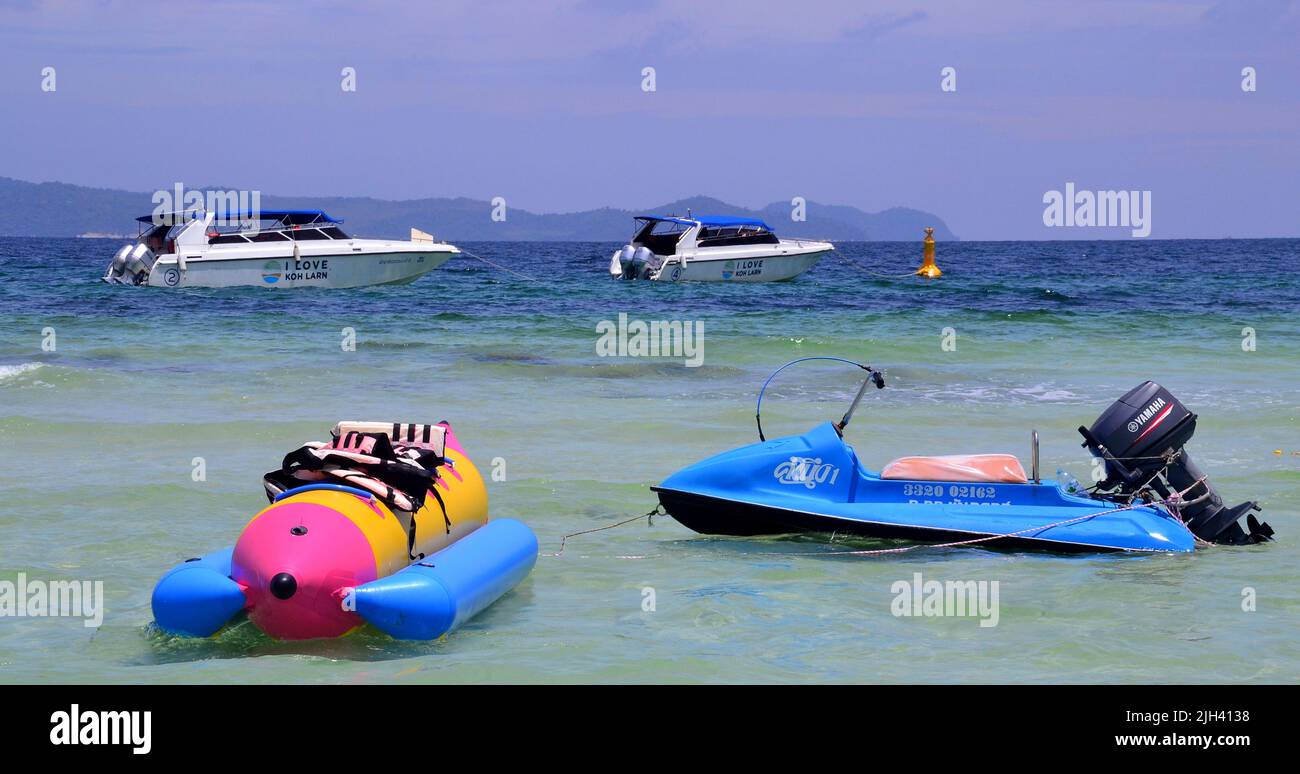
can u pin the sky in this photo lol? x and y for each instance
(543, 103)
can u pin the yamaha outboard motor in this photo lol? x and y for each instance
(1142, 437)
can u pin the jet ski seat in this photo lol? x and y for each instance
(975, 468)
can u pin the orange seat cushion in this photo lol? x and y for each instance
(982, 468)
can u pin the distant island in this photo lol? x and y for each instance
(65, 210)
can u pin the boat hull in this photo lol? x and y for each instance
(749, 263)
(768, 268)
(327, 270)
(717, 516)
(814, 483)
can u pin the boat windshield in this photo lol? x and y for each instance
(660, 236)
(722, 236)
(160, 235)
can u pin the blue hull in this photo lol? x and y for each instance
(439, 593)
(197, 598)
(749, 491)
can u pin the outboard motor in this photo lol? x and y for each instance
(117, 267)
(637, 262)
(627, 262)
(1142, 437)
(139, 263)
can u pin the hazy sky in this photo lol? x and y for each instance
(542, 103)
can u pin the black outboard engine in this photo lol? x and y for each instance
(1141, 437)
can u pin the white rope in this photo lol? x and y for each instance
(1174, 498)
(497, 265)
(1170, 501)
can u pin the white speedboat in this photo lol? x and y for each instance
(712, 248)
(270, 248)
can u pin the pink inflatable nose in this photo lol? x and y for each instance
(292, 561)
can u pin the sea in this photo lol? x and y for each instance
(136, 423)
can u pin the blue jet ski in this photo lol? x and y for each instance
(1153, 499)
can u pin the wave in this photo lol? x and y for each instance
(8, 372)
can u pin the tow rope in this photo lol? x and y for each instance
(1174, 498)
(649, 517)
(864, 270)
(497, 265)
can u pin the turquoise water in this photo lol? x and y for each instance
(99, 435)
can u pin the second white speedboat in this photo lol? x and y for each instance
(712, 248)
(268, 248)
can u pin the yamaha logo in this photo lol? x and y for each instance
(1141, 419)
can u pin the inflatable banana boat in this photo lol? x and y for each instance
(385, 524)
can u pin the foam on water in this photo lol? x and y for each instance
(12, 371)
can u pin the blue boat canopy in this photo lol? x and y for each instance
(287, 217)
(717, 221)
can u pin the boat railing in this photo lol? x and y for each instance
(288, 231)
(803, 241)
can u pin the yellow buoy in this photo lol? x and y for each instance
(928, 269)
